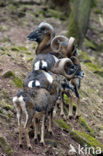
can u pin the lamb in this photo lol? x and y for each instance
(35, 104)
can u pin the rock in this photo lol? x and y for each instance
(85, 139)
(5, 146)
(63, 125)
(86, 126)
(8, 74)
(17, 80)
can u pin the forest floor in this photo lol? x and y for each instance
(17, 20)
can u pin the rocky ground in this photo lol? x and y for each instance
(17, 20)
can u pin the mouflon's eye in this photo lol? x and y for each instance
(43, 28)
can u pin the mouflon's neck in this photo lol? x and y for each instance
(44, 46)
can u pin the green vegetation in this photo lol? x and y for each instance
(6, 106)
(8, 74)
(85, 139)
(90, 44)
(91, 63)
(52, 13)
(86, 126)
(98, 11)
(5, 146)
(17, 80)
(22, 49)
(3, 28)
(63, 124)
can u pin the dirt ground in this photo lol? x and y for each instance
(17, 20)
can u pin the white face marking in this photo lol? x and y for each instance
(37, 65)
(30, 84)
(37, 83)
(49, 77)
(44, 63)
(55, 58)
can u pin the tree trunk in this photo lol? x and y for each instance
(79, 18)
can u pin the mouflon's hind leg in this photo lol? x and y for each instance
(70, 115)
(78, 112)
(50, 123)
(42, 130)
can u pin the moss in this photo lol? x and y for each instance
(100, 47)
(101, 127)
(5, 39)
(23, 48)
(73, 27)
(2, 48)
(94, 3)
(18, 82)
(54, 13)
(85, 125)
(30, 59)
(100, 73)
(20, 49)
(83, 56)
(91, 64)
(63, 124)
(5, 146)
(66, 99)
(3, 28)
(74, 107)
(10, 115)
(34, 45)
(5, 94)
(8, 74)
(97, 11)
(14, 48)
(90, 44)
(6, 106)
(4, 116)
(96, 68)
(85, 139)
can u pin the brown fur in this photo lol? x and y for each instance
(43, 45)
